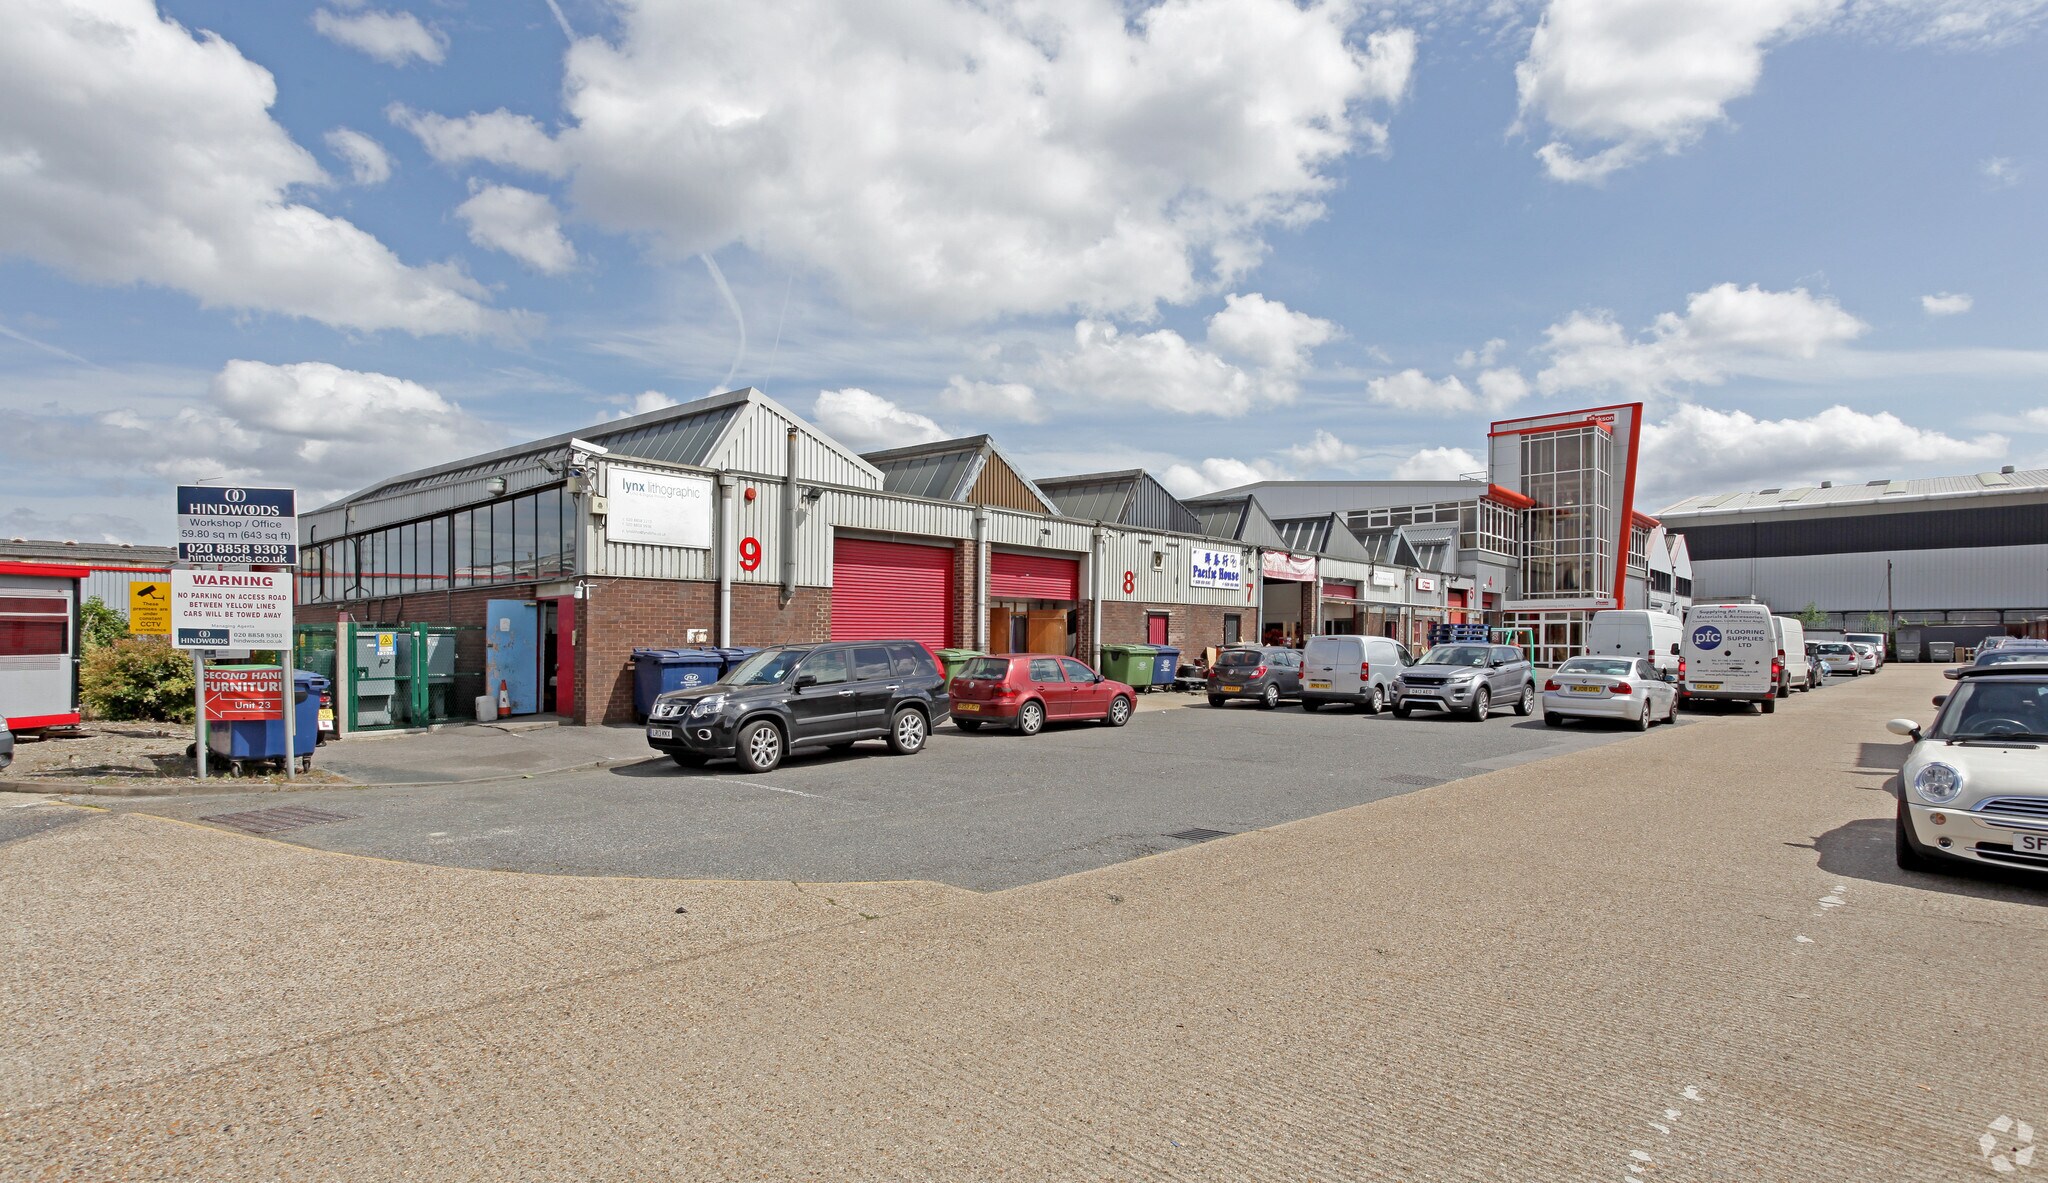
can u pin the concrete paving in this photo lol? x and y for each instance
(1683, 957)
(984, 811)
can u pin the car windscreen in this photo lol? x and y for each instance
(1608, 666)
(2009, 656)
(1241, 657)
(766, 668)
(2008, 708)
(1475, 656)
(986, 669)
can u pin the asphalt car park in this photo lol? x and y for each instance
(983, 811)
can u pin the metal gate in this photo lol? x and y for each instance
(891, 589)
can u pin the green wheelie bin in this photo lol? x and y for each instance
(956, 660)
(1130, 664)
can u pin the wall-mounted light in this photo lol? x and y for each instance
(813, 493)
(495, 485)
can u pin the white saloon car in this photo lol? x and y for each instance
(1866, 657)
(1975, 786)
(1625, 689)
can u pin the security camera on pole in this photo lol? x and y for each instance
(239, 608)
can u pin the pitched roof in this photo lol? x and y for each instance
(1324, 534)
(1386, 544)
(1853, 493)
(947, 470)
(1239, 517)
(1129, 498)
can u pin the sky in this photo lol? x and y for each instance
(321, 244)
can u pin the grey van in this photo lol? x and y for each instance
(1351, 669)
(1469, 678)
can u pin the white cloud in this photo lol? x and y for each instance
(2000, 171)
(497, 137)
(368, 162)
(137, 153)
(1485, 355)
(1159, 369)
(941, 159)
(997, 400)
(2036, 419)
(521, 223)
(1324, 450)
(1268, 332)
(394, 38)
(1502, 388)
(1697, 449)
(1981, 24)
(869, 421)
(1438, 464)
(1723, 330)
(1207, 476)
(1413, 390)
(1947, 303)
(1640, 76)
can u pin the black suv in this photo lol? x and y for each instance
(799, 696)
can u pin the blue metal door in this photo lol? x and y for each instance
(512, 653)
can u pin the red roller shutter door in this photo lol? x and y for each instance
(1033, 577)
(891, 589)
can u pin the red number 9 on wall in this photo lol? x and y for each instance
(750, 554)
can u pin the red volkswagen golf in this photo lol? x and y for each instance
(1029, 690)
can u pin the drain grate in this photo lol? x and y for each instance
(1199, 835)
(1413, 778)
(276, 821)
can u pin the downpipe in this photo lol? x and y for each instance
(727, 555)
(789, 496)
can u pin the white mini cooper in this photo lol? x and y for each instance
(1975, 786)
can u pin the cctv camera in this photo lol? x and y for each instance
(585, 446)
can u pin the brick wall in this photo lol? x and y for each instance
(621, 615)
(964, 567)
(463, 606)
(1189, 627)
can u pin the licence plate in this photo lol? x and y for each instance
(972, 708)
(1706, 685)
(661, 733)
(1232, 689)
(1588, 689)
(2030, 843)
(1318, 685)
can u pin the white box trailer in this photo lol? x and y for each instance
(1731, 654)
(39, 645)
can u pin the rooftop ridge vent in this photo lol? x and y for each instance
(1993, 479)
(1875, 484)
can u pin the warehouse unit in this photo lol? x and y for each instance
(110, 567)
(1943, 559)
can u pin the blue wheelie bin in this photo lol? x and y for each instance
(658, 671)
(1165, 668)
(262, 740)
(730, 656)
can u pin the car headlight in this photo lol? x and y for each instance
(708, 705)
(1938, 784)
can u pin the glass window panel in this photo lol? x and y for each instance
(569, 536)
(548, 515)
(464, 573)
(503, 541)
(402, 564)
(437, 557)
(525, 535)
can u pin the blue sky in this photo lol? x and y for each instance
(1220, 239)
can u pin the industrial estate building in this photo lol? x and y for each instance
(1945, 559)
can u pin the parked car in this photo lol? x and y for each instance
(1876, 642)
(1817, 663)
(1866, 658)
(1839, 657)
(1636, 633)
(1468, 678)
(1730, 653)
(789, 697)
(1627, 690)
(1351, 669)
(6, 746)
(1972, 787)
(1028, 690)
(1265, 674)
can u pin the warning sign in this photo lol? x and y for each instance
(235, 696)
(149, 608)
(231, 609)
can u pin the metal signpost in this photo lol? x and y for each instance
(219, 609)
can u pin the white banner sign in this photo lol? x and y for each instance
(231, 609)
(1216, 568)
(659, 508)
(1386, 579)
(1425, 583)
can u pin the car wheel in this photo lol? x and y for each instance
(1671, 716)
(968, 724)
(1031, 718)
(1552, 719)
(1270, 696)
(1375, 701)
(1309, 705)
(1527, 705)
(1215, 700)
(1482, 705)
(1643, 717)
(1768, 706)
(1402, 710)
(760, 747)
(687, 759)
(1907, 850)
(1119, 711)
(908, 731)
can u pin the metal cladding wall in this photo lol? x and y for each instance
(1127, 561)
(1013, 576)
(1921, 580)
(892, 589)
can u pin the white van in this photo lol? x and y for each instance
(1653, 636)
(1357, 670)
(1730, 652)
(1798, 672)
